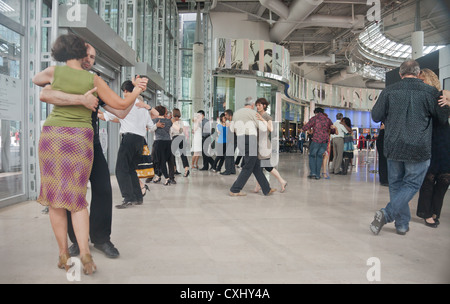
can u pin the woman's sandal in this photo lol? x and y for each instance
(62, 263)
(88, 264)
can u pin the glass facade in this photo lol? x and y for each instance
(12, 175)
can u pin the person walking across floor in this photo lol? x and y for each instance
(246, 125)
(322, 126)
(437, 179)
(67, 142)
(265, 143)
(133, 129)
(179, 140)
(408, 108)
(337, 141)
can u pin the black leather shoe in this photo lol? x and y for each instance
(74, 250)
(108, 249)
(225, 173)
(204, 169)
(432, 225)
(125, 204)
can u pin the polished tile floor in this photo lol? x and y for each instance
(194, 232)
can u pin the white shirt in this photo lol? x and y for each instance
(136, 122)
(341, 129)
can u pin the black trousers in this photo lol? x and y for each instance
(100, 215)
(252, 165)
(229, 154)
(162, 157)
(221, 150)
(431, 194)
(207, 159)
(128, 157)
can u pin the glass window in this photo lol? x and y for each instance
(110, 14)
(12, 9)
(10, 52)
(11, 149)
(92, 3)
(225, 95)
(11, 112)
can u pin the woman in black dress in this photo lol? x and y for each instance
(437, 180)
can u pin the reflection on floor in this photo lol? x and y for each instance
(194, 232)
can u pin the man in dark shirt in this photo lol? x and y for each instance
(407, 109)
(321, 125)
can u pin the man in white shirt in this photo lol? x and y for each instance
(133, 129)
(337, 141)
(245, 125)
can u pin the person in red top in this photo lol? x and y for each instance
(321, 126)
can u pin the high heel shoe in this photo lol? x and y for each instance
(89, 266)
(167, 182)
(157, 180)
(62, 263)
(146, 188)
(186, 174)
(283, 188)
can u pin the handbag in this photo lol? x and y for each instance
(145, 168)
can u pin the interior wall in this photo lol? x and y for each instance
(244, 88)
(236, 25)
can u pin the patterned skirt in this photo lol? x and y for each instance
(65, 159)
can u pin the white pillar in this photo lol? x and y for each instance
(417, 44)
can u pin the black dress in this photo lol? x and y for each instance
(437, 179)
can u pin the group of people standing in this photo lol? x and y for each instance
(328, 139)
(246, 131)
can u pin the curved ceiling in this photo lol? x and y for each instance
(326, 27)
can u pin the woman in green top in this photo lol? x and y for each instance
(66, 146)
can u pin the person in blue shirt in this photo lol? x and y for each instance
(221, 143)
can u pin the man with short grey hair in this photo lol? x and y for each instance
(246, 124)
(337, 141)
(407, 108)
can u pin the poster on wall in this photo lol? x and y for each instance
(253, 55)
(277, 63)
(221, 53)
(237, 54)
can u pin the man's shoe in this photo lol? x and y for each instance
(378, 222)
(108, 249)
(125, 204)
(138, 202)
(225, 173)
(74, 250)
(204, 169)
(238, 193)
(402, 231)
